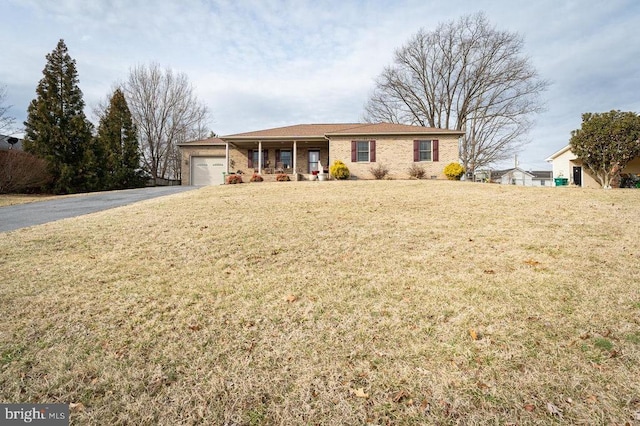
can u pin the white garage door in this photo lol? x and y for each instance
(207, 170)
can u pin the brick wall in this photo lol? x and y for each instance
(397, 154)
(197, 151)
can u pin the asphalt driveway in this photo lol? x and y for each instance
(37, 213)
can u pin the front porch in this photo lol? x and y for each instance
(298, 159)
(292, 177)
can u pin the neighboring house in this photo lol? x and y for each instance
(566, 165)
(518, 176)
(10, 142)
(298, 150)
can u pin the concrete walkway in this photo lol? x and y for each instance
(37, 213)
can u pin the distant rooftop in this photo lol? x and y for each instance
(5, 145)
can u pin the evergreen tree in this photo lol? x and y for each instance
(57, 129)
(116, 147)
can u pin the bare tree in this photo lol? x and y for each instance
(166, 112)
(465, 75)
(6, 121)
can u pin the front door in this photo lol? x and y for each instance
(577, 175)
(314, 158)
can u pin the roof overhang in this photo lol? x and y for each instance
(374, 134)
(558, 153)
(274, 138)
(205, 142)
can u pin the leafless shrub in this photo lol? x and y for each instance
(417, 172)
(22, 172)
(380, 171)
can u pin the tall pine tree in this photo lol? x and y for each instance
(57, 129)
(116, 147)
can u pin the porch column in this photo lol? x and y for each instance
(295, 157)
(226, 156)
(259, 157)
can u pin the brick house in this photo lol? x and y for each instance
(299, 150)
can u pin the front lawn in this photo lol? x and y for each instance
(383, 302)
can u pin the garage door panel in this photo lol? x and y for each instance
(207, 170)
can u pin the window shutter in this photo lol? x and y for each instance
(372, 151)
(354, 151)
(277, 156)
(250, 156)
(434, 149)
(265, 157)
(416, 151)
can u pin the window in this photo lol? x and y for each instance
(425, 150)
(253, 158)
(363, 151)
(542, 182)
(285, 159)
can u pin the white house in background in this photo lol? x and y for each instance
(567, 165)
(520, 177)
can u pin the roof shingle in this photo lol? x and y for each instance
(306, 131)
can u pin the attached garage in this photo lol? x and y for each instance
(204, 162)
(207, 170)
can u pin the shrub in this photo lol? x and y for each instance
(416, 171)
(339, 170)
(380, 171)
(629, 181)
(281, 177)
(454, 171)
(256, 178)
(232, 179)
(22, 172)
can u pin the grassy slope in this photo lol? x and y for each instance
(181, 310)
(12, 199)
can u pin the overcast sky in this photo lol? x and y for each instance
(262, 64)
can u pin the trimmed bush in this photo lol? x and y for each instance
(233, 179)
(454, 171)
(380, 171)
(256, 178)
(416, 171)
(282, 177)
(339, 170)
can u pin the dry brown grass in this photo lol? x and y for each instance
(385, 302)
(13, 199)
